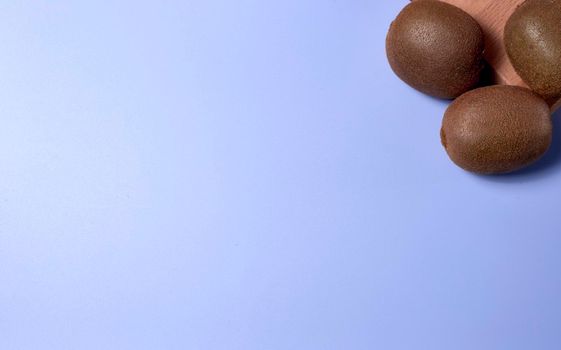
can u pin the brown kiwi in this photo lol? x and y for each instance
(436, 48)
(533, 43)
(496, 129)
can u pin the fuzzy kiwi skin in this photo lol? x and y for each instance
(533, 43)
(496, 129)
(436, 48)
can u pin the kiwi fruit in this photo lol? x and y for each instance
(533, 43)
(436, 48)
(496, 129)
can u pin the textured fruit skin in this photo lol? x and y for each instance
(496, 129)
(436, 48)
(533, 43)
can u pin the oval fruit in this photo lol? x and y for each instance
(496, 129)
(533, 43)
(436, 48)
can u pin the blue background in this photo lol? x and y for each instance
(216, 174)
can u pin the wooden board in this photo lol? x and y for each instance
(492, 15)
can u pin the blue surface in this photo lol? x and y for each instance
(215, 174)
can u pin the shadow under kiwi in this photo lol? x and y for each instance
(488, 76)
(545, 166)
